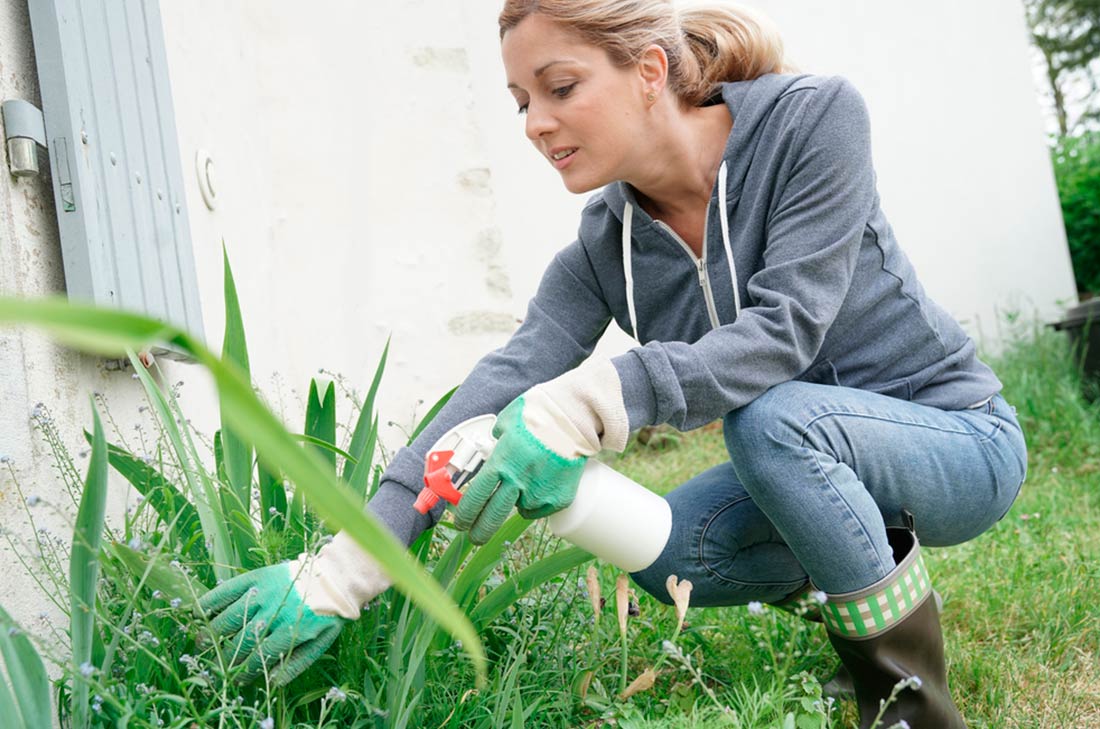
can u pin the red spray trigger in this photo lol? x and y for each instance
(453, 458)
(437, 482)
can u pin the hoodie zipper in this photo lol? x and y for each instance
(700, 266)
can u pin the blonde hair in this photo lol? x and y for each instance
(705, 44)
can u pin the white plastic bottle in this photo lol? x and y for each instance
(616, 519)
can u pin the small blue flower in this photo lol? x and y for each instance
(756, 608)
(335, 695)
(267, 723)
(33, 500)
(175, 602)
(86, 669)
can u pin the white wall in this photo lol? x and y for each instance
(373, 178)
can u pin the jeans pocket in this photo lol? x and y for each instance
(983, 421)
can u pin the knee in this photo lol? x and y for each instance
(759, 434)
(772, 417)
(732, 555)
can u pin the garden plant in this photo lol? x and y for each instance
(549, 649)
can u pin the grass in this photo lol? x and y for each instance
(1021, 627)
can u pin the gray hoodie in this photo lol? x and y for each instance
(816, 289)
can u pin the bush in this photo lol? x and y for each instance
(1077, 169)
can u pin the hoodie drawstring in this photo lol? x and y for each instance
(628, 220)
(723, 215)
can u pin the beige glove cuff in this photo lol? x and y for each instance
(580, 412)
(340, 579)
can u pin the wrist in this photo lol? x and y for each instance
(340, 579)
(585, 406)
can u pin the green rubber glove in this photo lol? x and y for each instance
(544, 438)
(284, 617)
(272, 626)
(521, 471)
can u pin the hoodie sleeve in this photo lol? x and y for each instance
(564, 322)
(819, 213)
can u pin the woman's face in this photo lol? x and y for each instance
(583, 113)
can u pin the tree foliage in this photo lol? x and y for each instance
(1067, 34)
(1077, 170)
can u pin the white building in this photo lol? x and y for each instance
(372, 178)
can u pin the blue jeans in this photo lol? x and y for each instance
(816, 474)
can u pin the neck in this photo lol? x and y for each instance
(684, 153)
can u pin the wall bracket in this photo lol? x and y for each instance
(24, 132)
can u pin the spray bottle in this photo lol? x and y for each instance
(613, 517)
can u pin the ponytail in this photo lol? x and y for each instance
(726, 43)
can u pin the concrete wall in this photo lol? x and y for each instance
(373, 179)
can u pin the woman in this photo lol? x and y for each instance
(738, 237)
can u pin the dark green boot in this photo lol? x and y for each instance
(888, 637)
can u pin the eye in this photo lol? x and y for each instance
(563, 91)
(522, 110)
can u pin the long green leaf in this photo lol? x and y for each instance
(469, 581)
(452, 557)
(432, 413)
(205, 495)
(485, 559)
(173, 508)
(324, 445)
(272, 497)
(247, 414)
(237, 451)
(28, 698)
(8, 706)
(84, 327)
(156, 575)
(506, 594)
(356, 473)
(84, 566)
(238, 523)
(321, 420)
(297, 527)
(361, 475)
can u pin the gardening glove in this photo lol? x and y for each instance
(283, 617)
(544, 438)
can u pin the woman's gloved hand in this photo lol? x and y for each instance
(283, 617)
(543, 440)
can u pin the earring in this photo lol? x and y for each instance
(651, 97)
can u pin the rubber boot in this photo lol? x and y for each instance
(888, 637)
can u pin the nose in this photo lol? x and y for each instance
(538, 122)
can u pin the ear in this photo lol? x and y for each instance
(653, 69)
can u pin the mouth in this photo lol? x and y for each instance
(561, 157)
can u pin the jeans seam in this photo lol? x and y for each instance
(880, 418)
(868, 543)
